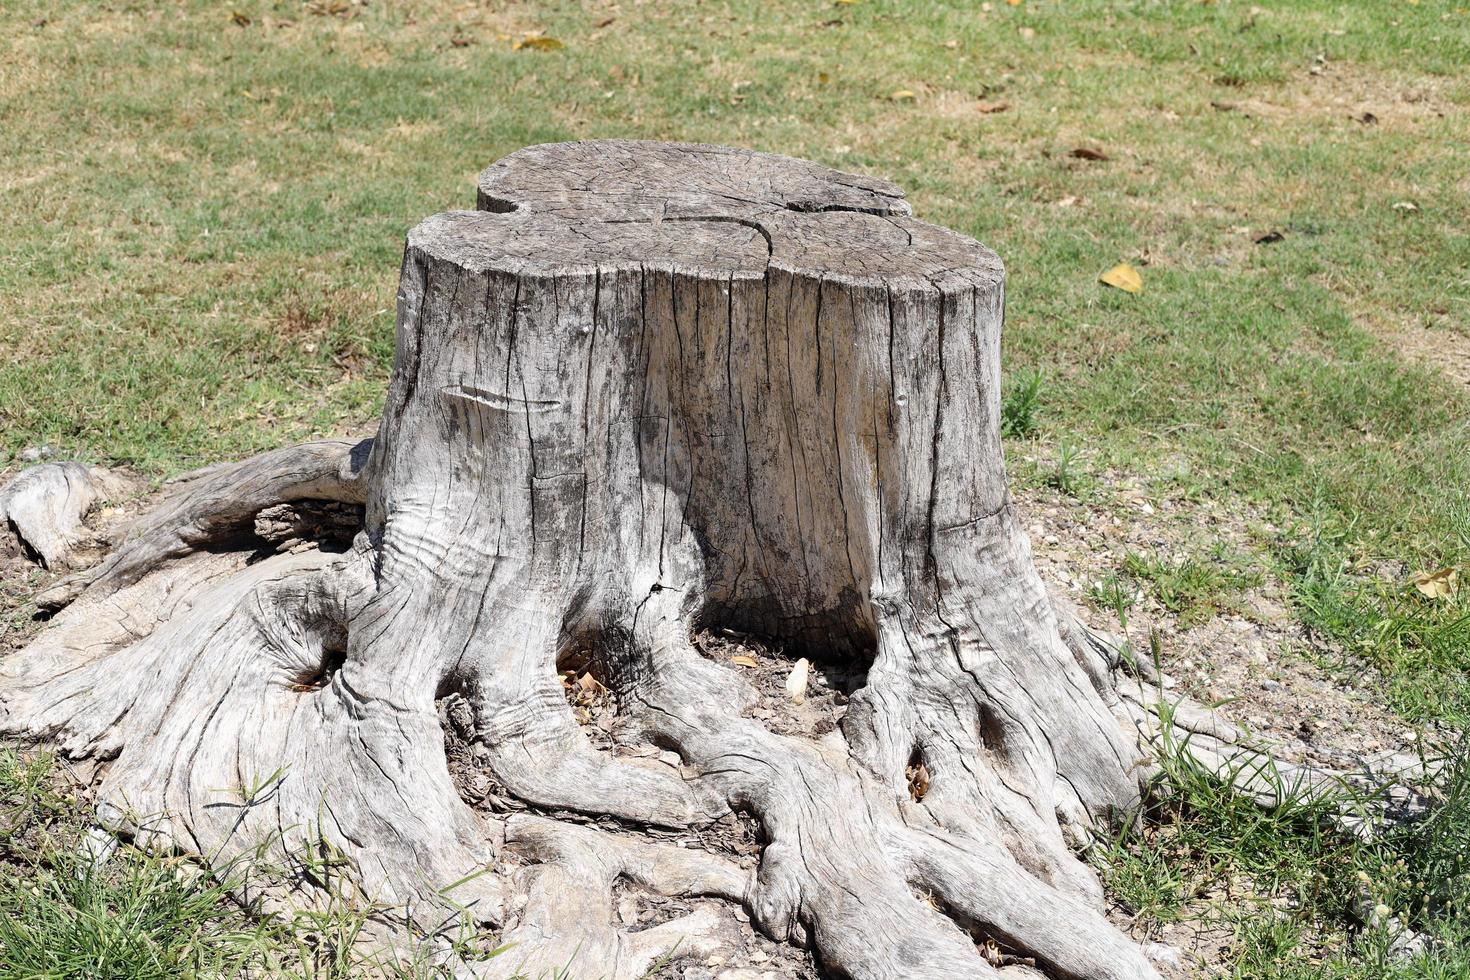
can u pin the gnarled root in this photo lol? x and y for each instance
(568, 916)
(216, 506)
(223, 692)
(44, 507)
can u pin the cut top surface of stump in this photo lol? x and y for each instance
(704, 209)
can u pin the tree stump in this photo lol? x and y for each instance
(647, 389)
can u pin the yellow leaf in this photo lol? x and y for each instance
(745, 661)
(1123, 276)
(537, 42)
(1014, 3)
(1437, 585)
(902, 95)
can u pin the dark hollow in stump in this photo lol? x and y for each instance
(646, 389)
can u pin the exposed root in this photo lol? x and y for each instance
(44, 507)
(846, 852)
(229, 696)
(539, 752)
(217, 505)
(568, 917)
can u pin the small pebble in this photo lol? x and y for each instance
(33, 453)
(1164, 955)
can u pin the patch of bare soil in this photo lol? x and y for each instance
(1250, 658)
(1367, 96)
(812, 713)
(1445, 348)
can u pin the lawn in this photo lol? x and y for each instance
(206, 206)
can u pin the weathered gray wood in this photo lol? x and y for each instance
(44, 506)
(213, 506)
(647, 388)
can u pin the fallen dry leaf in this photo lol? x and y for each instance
(744, 661)
(605, 22)
(1123, 276)
(239, 18)
(902, 95)
(537, 42)
(989, 107)
(918, 775)
(1089, 153)
(1404, 206)
(1437, 585)
(1268, 238)
(796, 680)
(1066, 202)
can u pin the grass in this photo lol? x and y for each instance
(71, 907)
(1296, 894)
(206, 206)
(1194, 588)
(1418, 644)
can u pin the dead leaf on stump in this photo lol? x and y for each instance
(918, 776)
(1089, 153)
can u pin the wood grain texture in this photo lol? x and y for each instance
(646, 389)
(43, 507)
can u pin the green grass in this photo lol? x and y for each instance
(206, 206)
(1194, 588)
(1299, 895)
(141, 916)
(1420, 645)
